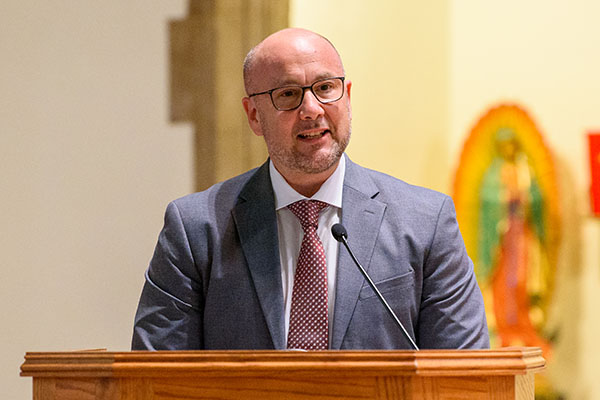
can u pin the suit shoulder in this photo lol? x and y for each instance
(221, 197)
(394, 190)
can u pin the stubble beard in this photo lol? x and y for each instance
(294, 160)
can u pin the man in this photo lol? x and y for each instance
(239, 267)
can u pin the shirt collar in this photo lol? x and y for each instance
(330, 191)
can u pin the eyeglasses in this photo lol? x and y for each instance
(289, 98)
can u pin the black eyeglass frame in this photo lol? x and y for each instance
(304, 88)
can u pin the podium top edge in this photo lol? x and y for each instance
(151, 363)
(503, 351)
(423, 353)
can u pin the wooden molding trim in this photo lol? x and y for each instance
(507, 361)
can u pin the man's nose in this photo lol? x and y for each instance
(311, 108)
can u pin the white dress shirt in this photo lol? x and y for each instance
(290, 233)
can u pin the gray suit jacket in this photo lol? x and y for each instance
(214, 281)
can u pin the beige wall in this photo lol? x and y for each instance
(88, 162)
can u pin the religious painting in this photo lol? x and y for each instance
(507, 204)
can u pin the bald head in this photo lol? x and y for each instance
(285, 46)
(305, 143)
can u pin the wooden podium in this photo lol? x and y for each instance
(343, 375)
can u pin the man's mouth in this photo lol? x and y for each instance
(313, 134)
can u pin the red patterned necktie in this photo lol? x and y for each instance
(309, 324)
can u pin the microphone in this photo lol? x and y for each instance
(339, 233)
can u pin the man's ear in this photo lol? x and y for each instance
(253, 116)
(348, 87)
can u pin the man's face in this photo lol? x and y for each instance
(311, 138)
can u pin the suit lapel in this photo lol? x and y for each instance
(256, 223)
(362, 216)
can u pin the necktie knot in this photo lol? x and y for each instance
(307, 211)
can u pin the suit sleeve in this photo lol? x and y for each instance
(452, 314)
(169, 314)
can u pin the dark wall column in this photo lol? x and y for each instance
(207, 51)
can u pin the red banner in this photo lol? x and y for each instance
(594, 143)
